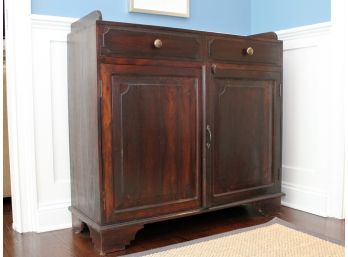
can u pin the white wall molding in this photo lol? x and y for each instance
(304, 32)
(304, 37)
(51, 22)
(313, 130)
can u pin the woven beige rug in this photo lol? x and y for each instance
(276, 238)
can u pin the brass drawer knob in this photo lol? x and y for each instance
(250, 51)
(157, 43)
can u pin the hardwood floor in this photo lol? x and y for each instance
(64, 243)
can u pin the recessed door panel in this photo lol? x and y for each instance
(155, 126)
(246, 137)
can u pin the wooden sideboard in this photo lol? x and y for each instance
(166, 123)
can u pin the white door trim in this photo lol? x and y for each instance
(21, 114)
(339, 80)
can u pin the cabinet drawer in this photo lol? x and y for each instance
(246, 51)
(136, 43)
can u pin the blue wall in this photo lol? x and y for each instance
(229, 16)
(271, 15)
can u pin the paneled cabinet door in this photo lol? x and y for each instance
(245, 128)
(151, 143)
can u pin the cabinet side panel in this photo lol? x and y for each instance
(83, 119)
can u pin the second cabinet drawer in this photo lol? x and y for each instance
(136, 43)
(245, 51)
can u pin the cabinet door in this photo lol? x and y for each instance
(246, 134)
(151, 143)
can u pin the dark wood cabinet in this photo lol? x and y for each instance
(166, 123)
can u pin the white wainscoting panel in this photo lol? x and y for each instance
(310, 125)
(49, 51)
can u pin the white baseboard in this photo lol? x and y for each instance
(305, 199)
(54, 216)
